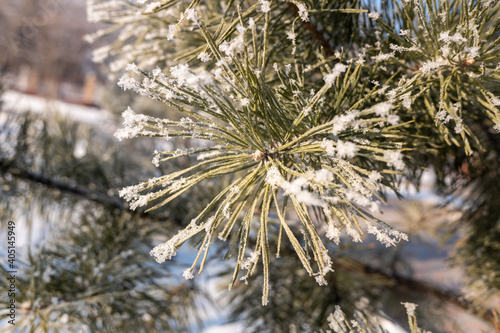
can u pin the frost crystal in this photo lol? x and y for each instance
(187, 274)
(247, 264)
(172, 30)
(374, 16)
(303, 13)
(132, 68)
(387, 236)
(337, 70)
(328, 146)
(410, 308)
(273, 177)
(127, 83)
(336, 320)
(459, 127)
(251, 23)
(383, 57)
(208, 224)
(156, 158)
(320, 279)
(133, 125)
(393, 119)
(291, 35)
(333, 233)
(356, 237)
(204, 56)
(346, 149)
(265, 6)
(156, 72)
(191, 15)
(497, 127)
(374, 177)
(185, 77)
(164, 251)
(406, 98)
(383, 109)
(429, 66)
(473, 52)
(152, 6)
(235, 46)
(394, 158)
(323, 176)
(340, 123)
(456, 38)
(181, 73)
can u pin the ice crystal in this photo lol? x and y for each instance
(393, 119)
(328, 146)
(192, 15)
(265, 6)
(337, 70)
(156, 158)
(429, 66)
(395, 159)
(410, 308)
(456, 38)
(164, 251)
(383, 57)
(274, 177)
(336, 320)
(346, 149)
(374, 16)
(459, 127)
(303, 12)
(320, 280)
(127, 83)
(323, 176)
(152, 6)
(132, 68)
(386, 235)
(333, 233)
(356, 237)
(133, 125)
(341, 123)
(248, 262)
(383, 109)
(374, 177)
(188, 274)
(204, 56)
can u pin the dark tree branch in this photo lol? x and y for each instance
(416, 286)
(316, 34)
(6, 167)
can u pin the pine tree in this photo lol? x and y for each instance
(314, 111)
(85, 265)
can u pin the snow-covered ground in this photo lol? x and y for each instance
(17, 102)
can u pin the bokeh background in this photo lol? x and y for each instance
(83, 256)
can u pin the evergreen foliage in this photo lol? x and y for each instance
(85, 266)
(315, 109)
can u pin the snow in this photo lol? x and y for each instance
(225, 328)
(16, 102)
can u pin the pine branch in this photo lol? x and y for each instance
(415, 285)
(7, 168)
